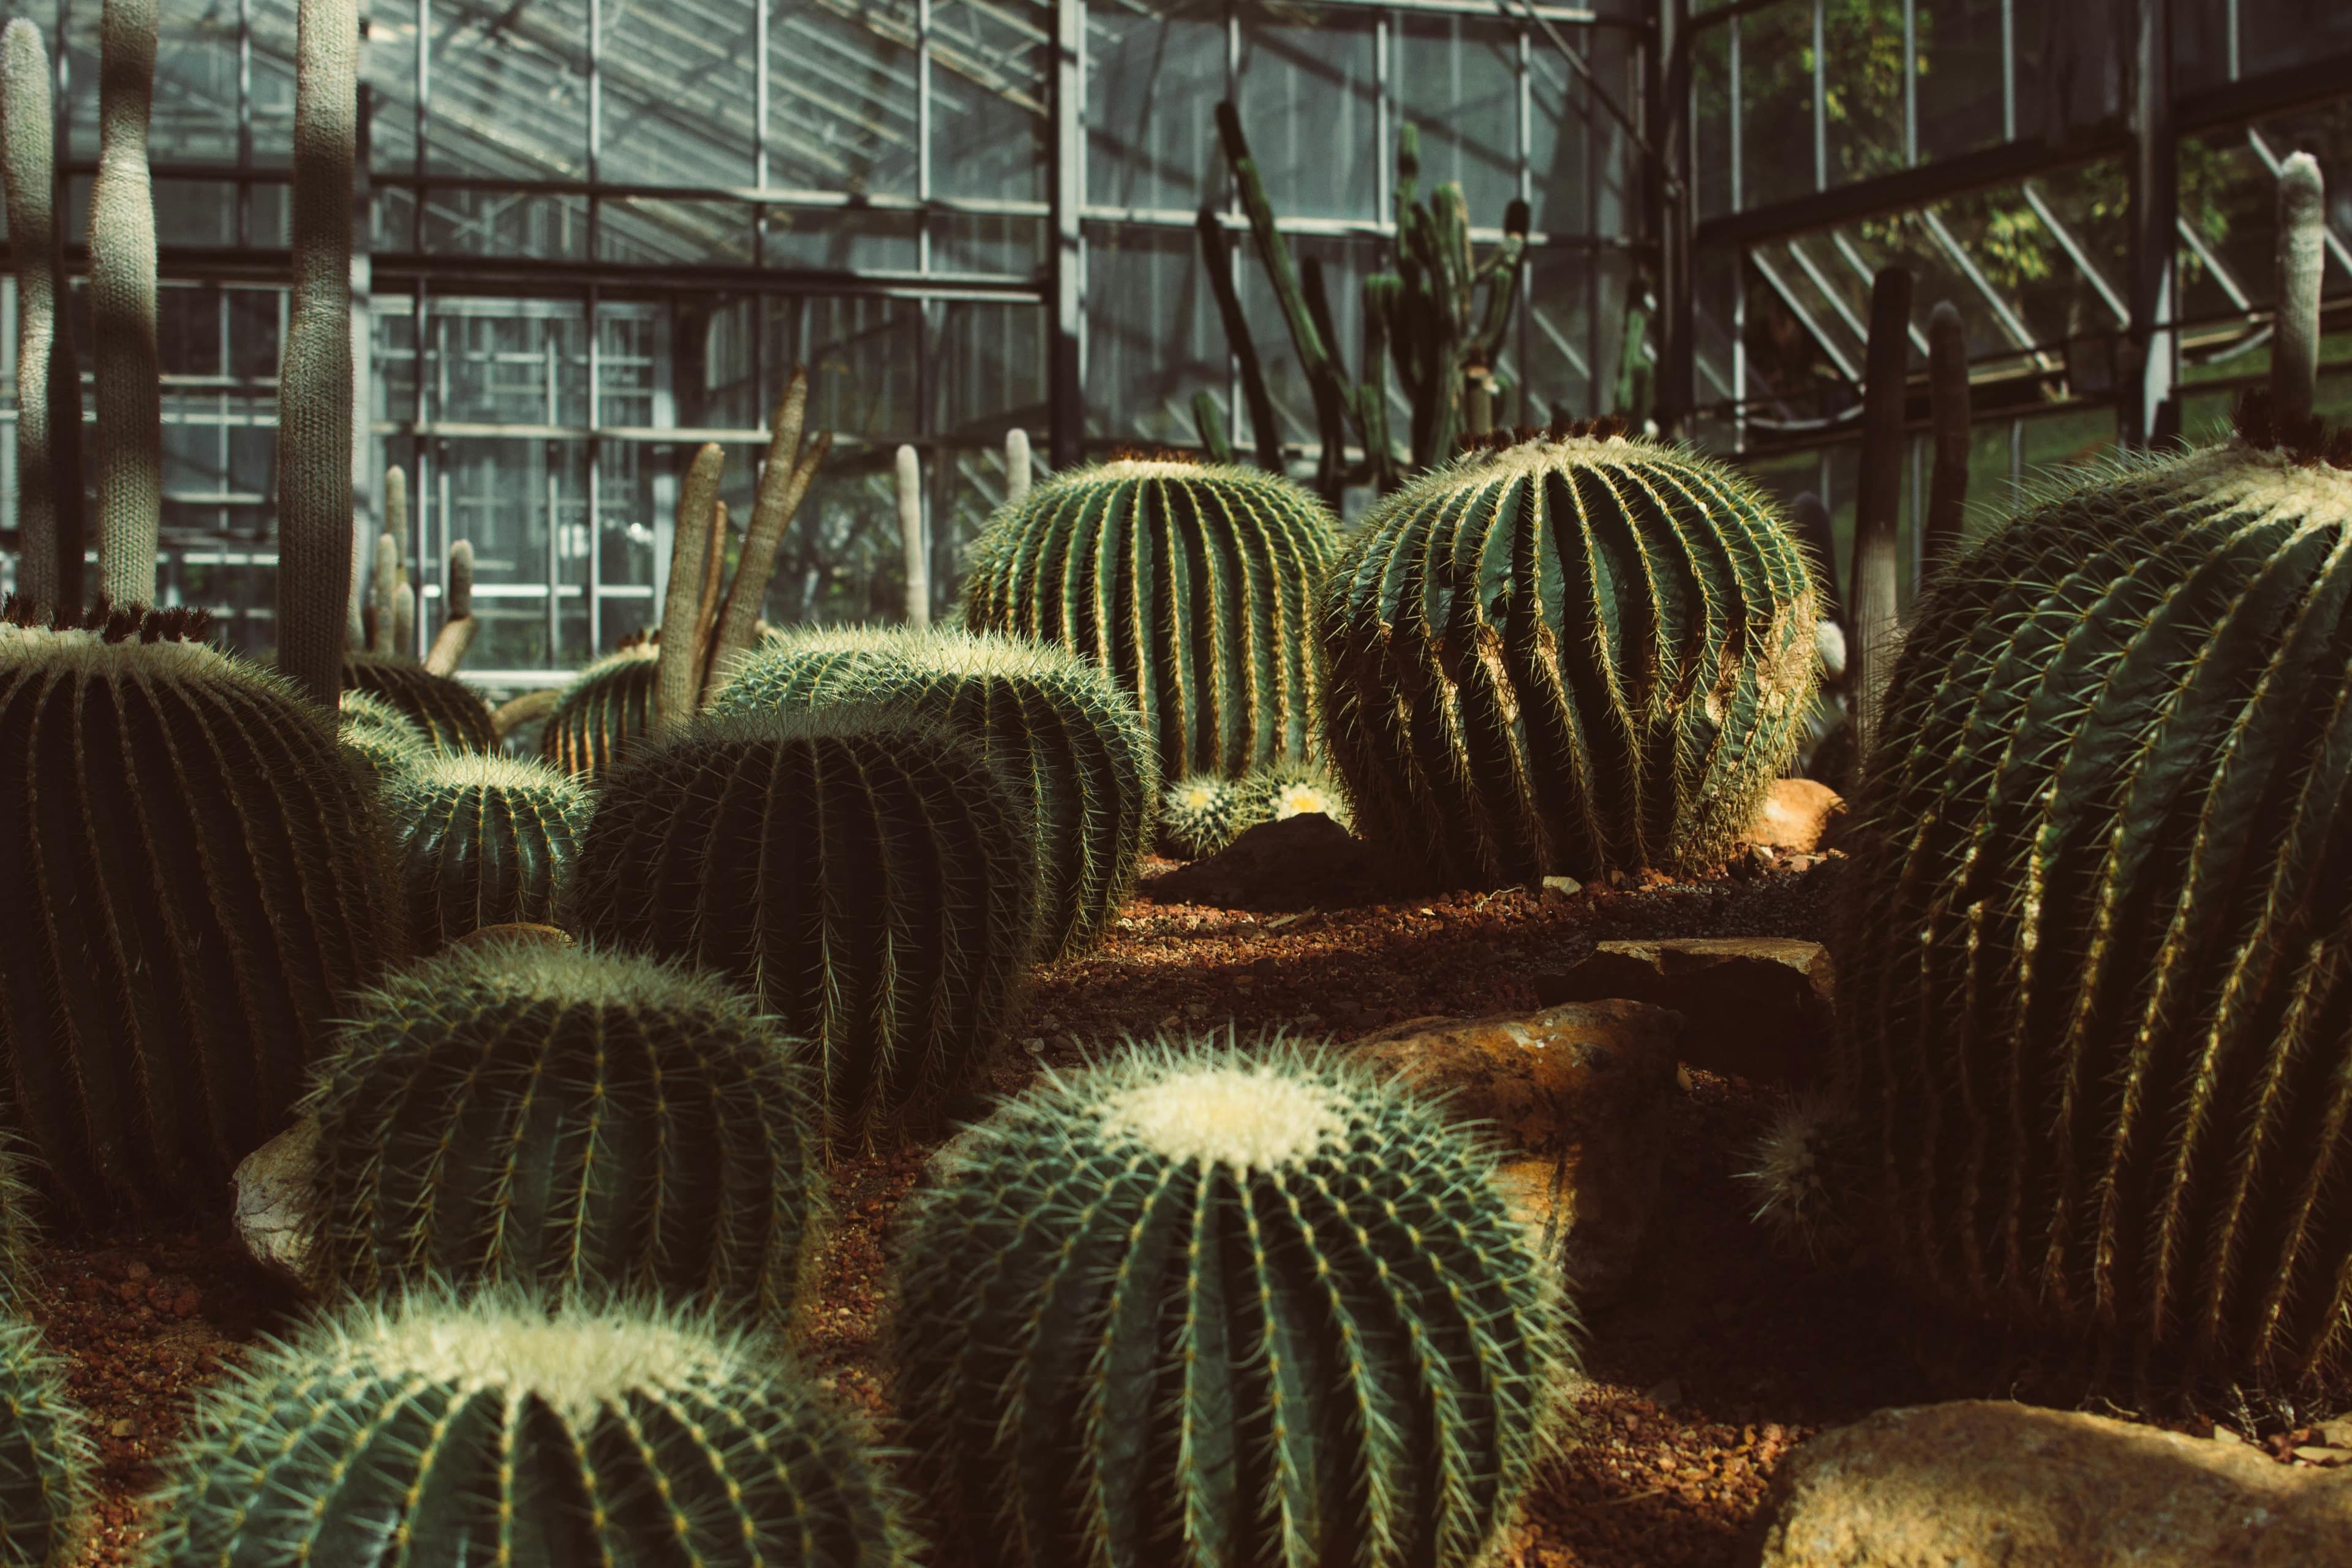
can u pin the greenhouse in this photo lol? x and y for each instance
(1064, 783)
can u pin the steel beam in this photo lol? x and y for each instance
(1066, 294)
(2150, 361)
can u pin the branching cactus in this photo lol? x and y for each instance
(46, 1460)
(1197, 1308)
(869, 876)
(453, 718)
(1568, 654)
(501, 1433)
(569, 1121)
(193, 881)
(2096, 991)
(1284, 790)
(481, 841)
(1192, 583)
(1199, 815)
(1053, 724)
(608, 705)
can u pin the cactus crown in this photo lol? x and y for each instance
(1200, 814)
(484, 839)
(47, 1458)
(107, 622)
(2307, 441)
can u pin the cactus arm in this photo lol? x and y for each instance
(1872, 579)
(1947, 397)
(706, 614)
(1408, 171)
(908, 476)
(1632, 377)
(49, 379)
(2301, 230)
(677, 675)
(458, 625)
(782, 485)
(1211, 422)
(384, 588)
(122, 308)
(403, 614)
(1016, 465)
(516, 712)
(1216, 254)
(1500, 273)
(1372, 391)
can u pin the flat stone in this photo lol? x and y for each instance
(1795, 817)
(1986, 1484)
(1576, 1098)
(1757, 1007)
(275, 1216)
(1302, 862)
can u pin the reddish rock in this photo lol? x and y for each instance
(1796, 818)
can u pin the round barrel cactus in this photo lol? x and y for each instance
(380, 750)
(193, 880)
(868, 875)
(1200, 814)
(481, 840)
(1192, 583)
(1197, 1307)
(1571, 654)
(566, 1120)
(500, 1432)
(364, 710)
(1052, 724)
(2096, 985)
(608, 705)
(47, 1458)
(452, 716)
(1287, 789)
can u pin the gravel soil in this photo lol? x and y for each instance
(1717, 1360)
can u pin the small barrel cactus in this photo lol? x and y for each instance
(1266, 1311)
(497, 1432)
(1052, 723)
(380, 737)
(608, 705)
(481, 840)
(1287, 789)
(1572, 654)
(562, 1118)
(452, 716)
(1192, 583)
(868, 876)
(47, 1458)
(193, 883)
(1200, 814)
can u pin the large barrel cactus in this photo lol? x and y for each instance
(481, 841)
(452, 717)
(2096, 991)
(566, 1119)
(1194, 1308)
(497, 1433)
(193, 885)
(1053, 724)
(47, 1458)
(608, 705)
(868, 876)
(1194, 585)
(1573, 653)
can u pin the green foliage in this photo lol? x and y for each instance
(566, 1120)
(46, 1455)
(497, 1433)
(2094, 994)
(1192, 583)
(1257, 1310)
(1568, 656)
(868, 875)
(608, 705)
(1200, 814)
(482, 841)
(193, 885)
(452, 717)
(1053, 724)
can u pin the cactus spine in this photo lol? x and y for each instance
(49, 372)
(608, 705)
(1199, 815)
(1569, 655)
(870, 877)
(497, 1433)
(47, 1458)
(1192, 584)
(1053, 725)
(452, 717)
(1871, 582)
(122, 308)
(1194, 1308)
(482, 841)
(1947, 397)
(568, 1120)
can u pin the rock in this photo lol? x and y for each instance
(275, 1216)
(521, 933)
(1757, 1007)
(1575, 1096)
(1796, 817)
(1561, 889)
(1984, 1484)
(1302, 862)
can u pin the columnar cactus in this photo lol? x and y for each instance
(570, 1121)
(193, 880)
(1259, 1311)
(129, 383)
(1199, 815)
(1192, 583)
(1571, 654)
(608, 705)
(481, 841)
(452, 717)
(46, 1455)
(870, 877)
(1053, 724)
(500, 1433)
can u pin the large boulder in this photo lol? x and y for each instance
(275, 1208)
(1797, 816)
(1757, 1008)
(1576, 1098)
(1984, 1484)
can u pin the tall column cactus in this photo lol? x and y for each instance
(678, 681)
(1947, 402)
(1872, 581)
(49, 372)
(782, 484)
(122, 310)
(908, 479)
(2302, 254)
(1016, 465)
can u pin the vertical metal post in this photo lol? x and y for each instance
(2009, 70)
(2232, 20)
(2155, 202)
(553, 368)
(1065, 371)
(1739, 260)
(1522, 327)
(596, 589)
(1910, 81)
(2017, 463)
(245, 120)
(596, 123)
(417, 212)
(759, 135)
(1669, 104)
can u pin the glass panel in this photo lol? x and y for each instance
(680, 81)
(1959, 74)
(1153, 80)
(990, 119)
(510, 89)
(840, 97)
(1457, 78)
(1153, 337)
(1776, 103)
(1310, 108)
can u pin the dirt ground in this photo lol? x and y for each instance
(1717, 1359)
